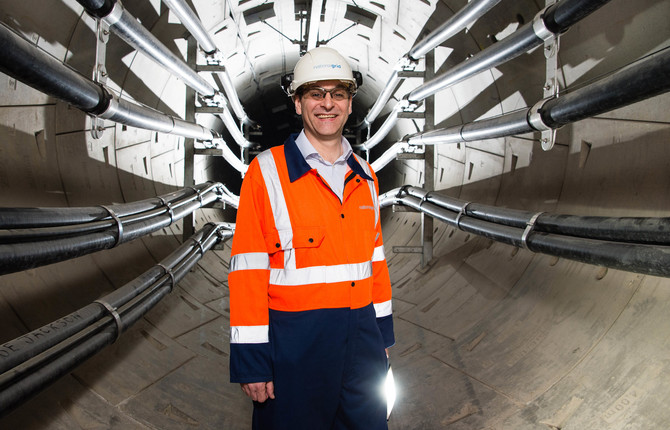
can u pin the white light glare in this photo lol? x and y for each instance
(389, 391)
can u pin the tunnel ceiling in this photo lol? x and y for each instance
(263, 40)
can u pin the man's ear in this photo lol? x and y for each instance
(298, 104)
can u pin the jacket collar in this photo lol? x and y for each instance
(298, 166)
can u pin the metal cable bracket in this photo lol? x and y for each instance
(168, 272)
(197, 191)
(460, 214)
(539, 27)
(530, 225)
(114, 314)
(424, 199)
(551, 86)
(535, 117)
(169, 208)
(119, 224)
(197, 242)
(402, 190)
(100, 72)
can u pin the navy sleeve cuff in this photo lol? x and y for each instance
(386, 327)
(250, 362)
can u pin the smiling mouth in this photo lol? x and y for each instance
(326, 116)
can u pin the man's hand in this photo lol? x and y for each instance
(259, 391)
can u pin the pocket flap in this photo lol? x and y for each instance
(308, 237)
(300, 237)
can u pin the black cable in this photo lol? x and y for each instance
(645, 230)
(22, 249)
(640, 245)
(42, 363)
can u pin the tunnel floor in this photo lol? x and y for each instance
(542, 343)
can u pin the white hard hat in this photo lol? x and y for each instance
(321, 64)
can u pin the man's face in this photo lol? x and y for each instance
(323, 119)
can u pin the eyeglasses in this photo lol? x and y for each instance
(338, 94)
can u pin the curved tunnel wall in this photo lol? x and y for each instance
(489, 336)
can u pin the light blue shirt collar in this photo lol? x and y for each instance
(310, 153)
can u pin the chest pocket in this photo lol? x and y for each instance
(299, 246)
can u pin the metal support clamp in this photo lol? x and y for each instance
(425, 198)
(535, 120)
(114, 314)
(540, 28)
(170, 273)
(197, 242)
(401, 190)
(551, 86)
(460, 214)
(197, 191)
(534, 117)
(115, 15)
(100, 72)
(169, 208)
(119, 224)
(530, 225)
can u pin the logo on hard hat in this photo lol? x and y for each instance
(331, 66)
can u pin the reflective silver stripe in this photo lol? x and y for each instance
(249, 334)
(286, 238)
(279, 209)
(321, 274)
(378, 254)
(250, 261)
(276, 195)
(371, 185)
(383, 309)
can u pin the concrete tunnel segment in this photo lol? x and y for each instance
(489, 336)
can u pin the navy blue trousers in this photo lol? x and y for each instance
(329, 366)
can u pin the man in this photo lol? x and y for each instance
(310, 295)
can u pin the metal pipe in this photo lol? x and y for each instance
(231, 158)
(631, 84)
(129, 29)
(513, 124)
(379, 104)
(461, 19)
(233, 129)
(16, 218)
(638, 81)
(31, 65)
(466, 16)
(228, 197)
(26, 249)
(125, 112)
(389, 155)
(511, 47)
(233, 98)
(527, 37)
(509, 124)
(27, 63)
(314, 20)
(632, 257)
(385, 128)
(645, 230)
(41, 363)
(193, 24)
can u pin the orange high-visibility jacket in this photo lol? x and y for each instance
(298, 248)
